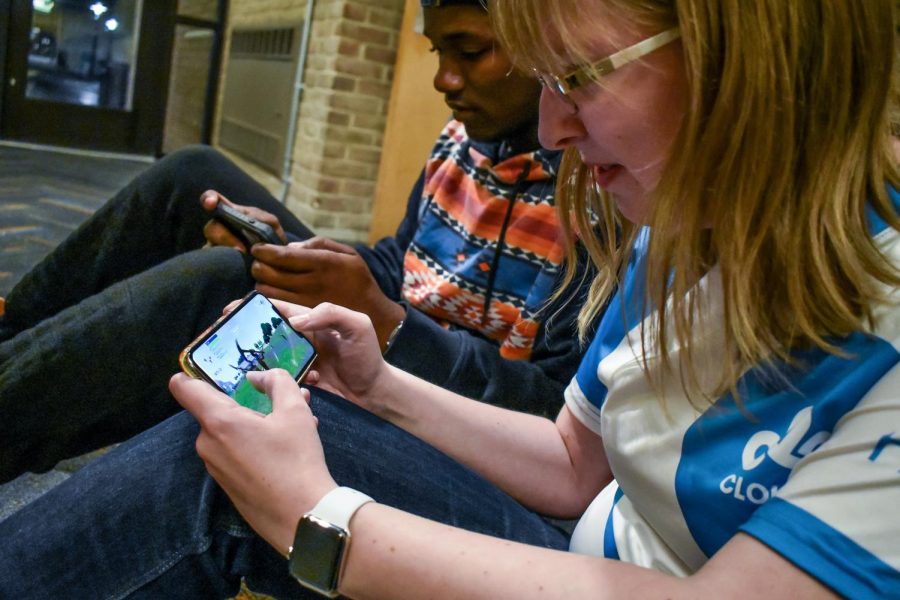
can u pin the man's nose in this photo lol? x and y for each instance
(560, 125)
(448, 78)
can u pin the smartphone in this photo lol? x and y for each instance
(252, 337)
(244, 227)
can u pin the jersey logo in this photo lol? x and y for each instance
(784, 451)
(731, 464)
(787, 450)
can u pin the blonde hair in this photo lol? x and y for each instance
(786, 141)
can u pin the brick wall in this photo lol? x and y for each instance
(343, 111)
(187, 87)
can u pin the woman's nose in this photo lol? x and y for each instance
(560, 125)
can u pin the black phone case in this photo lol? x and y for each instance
(246, 228)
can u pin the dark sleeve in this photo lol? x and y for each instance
(385, 258)
(468, 364)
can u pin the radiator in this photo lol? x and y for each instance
(259, 82)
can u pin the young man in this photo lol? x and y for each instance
(91, 335)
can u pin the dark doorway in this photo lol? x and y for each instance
(88, 73)
(195, 73)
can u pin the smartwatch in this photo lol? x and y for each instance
(322, 540)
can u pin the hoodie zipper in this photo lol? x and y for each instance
(501, 240)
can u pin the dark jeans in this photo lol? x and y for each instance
(145, 521)
(89, 341)
(118, 300)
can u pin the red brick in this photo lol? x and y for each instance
(380, 54)
(343, 84)
(355, 12)
(359, 68)
(374, 88)
(355, 103)
(372, 122)
(348, 48)
(361, 33)
(360, 189)
(338, 118)
(328, 185)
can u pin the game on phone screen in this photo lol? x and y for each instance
(253, 338)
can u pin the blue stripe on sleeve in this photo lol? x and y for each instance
(822, 551)
(620, 316)
(586, 376)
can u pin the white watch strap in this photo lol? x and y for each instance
(339, 505)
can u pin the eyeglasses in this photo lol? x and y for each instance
(588, 73)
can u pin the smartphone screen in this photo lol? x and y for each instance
(254, 337)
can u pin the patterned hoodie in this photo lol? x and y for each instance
(487, 251)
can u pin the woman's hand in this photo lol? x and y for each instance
(272, 467)
(350, 362)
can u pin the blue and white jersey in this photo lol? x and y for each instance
(810, 468)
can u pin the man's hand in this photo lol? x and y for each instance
(218, 235)
(321, 270)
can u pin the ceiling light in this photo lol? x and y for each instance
(99, 9)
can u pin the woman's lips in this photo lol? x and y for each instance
(605, 174)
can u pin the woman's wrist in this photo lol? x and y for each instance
(384, 394)
(294, 507)
(392, 337)
(387, 323)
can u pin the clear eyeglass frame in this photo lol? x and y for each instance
(588, 73)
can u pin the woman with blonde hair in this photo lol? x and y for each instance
(733, 430)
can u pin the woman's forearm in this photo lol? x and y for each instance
(553, 468)
(397, 555)
(416, 558)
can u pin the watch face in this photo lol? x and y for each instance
(317, 552)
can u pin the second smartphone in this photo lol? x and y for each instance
(252, 337)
